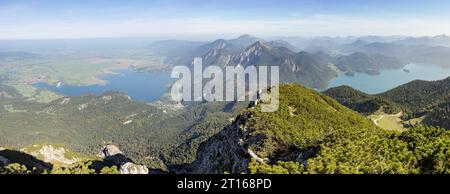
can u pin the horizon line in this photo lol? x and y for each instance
(218, 37)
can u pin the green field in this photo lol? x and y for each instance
(391, 123)
(70, 69)
(388, 122)
(34, 94)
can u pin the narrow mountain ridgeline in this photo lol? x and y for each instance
(312, 133)
(305, 119)
(282, 43)
(245, 40)
(306, 68)
(182, 52)
(300, 67)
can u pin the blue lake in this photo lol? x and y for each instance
(139, 86)
(151, 86)
(391, 78)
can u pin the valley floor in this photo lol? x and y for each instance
(388, 121)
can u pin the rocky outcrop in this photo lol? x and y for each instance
(225, 152)
(55, 155)
(113, 154)
(64, 101)
(230, 149)
(82, 107)
(132, 168)
(4, 161)
(9, 156)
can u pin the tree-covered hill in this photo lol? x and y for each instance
(419, 96)
(364, 63)
(361, 102)
(423, 98)
(439, 116)
(296, 131)
(312, 133)
(416, 99)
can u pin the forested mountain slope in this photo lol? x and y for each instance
(157, 136)
(296, 131)
(361, 102)
(312, 133)
(416, 99)
(419, 96)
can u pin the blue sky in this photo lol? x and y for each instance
(31, 19)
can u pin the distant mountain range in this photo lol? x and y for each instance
(441, 40)
(313, 69)
(433, 50)
(335, 42)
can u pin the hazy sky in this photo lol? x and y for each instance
(36, 19)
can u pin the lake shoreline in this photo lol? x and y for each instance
(390, 78)
(144, 86)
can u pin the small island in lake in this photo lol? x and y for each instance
(373, 72)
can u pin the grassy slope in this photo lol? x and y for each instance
(391, 123)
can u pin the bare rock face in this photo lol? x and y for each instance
(132, 168)
(111, 150)
(224, 152)
(127, 166)
(54, 154)
(3, 161)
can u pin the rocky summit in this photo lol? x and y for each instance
(127, 166)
